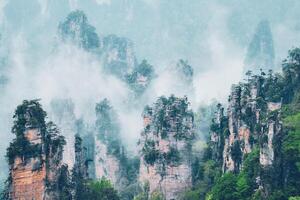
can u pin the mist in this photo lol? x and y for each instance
(212, 36)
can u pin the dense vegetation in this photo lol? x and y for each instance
(108, 132)
(141, 77)
(170, 119)
(281, 180)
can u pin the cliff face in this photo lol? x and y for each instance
(107, 165)
(115, 53)
(260, 52)
(63, 115)
(28, 176)
(34, 155)
(165, 147)
(252, 121)
(118, 55)
(108, 148)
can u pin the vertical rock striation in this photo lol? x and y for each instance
(260, 52)
(166, 147)
(63, 115)
(34, 155)
(108, 148)
(252, 121)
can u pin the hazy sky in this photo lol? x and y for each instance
(164, 30)
(212, 35)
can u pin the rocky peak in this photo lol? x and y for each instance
(76, 29)
(251, 122)
(260, 53)
(62, 113)
(34, 155)
(118, 54)
(165, 146)
(139, 79)
(109, 151)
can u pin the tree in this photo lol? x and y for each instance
(101, 190)
(141, 77)
(225, 188)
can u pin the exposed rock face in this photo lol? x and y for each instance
(63, 115)
(114, 52)
(252, 121)
(81, 163)
(140, 78)
(118, 54)
(165, 147)
(107, 165)
(260, 53)
(76, 29)
(88, 142)
(28, 177)
(108, 149)
(273, 129)
(34, 156)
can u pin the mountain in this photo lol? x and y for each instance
(247, 148)
(115, 53)
(253, 151)
(260, 52)
(165, 166)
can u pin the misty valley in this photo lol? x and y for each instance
(149, 100)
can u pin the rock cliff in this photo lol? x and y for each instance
(252, 121)
(34, 155)
(166, 147)
(108, 147)
(62, 113)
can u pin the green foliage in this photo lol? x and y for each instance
(157, 196)
(30, 115)
(229, 186)
(281, 180)
(53, 140)
(172, 114)
(225, 188)
(169, 116)
(291, 150)
(236, 152)
(151, 154)
(107, 126)
(185, 71)
(27, 115)
(22, 148)
(219, 126)
(172, 156)
(204, 174)
(76, 29)
(64, 186)
(144, 195)
(246, 179)
(293, 107)
(294, 198)
(258, 195)
(291, 71)
(141, 77)
(101, 190)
